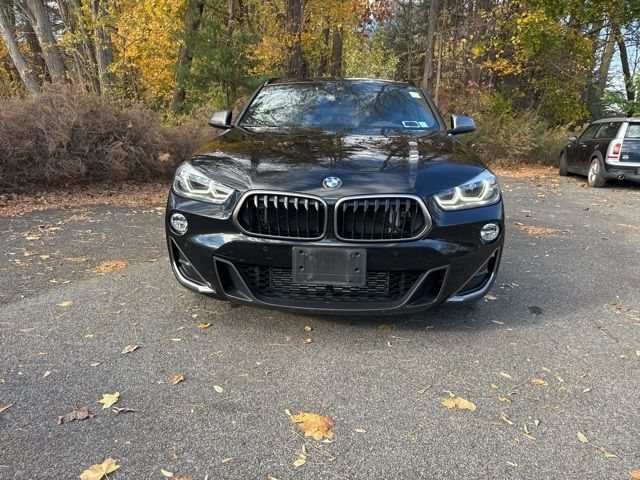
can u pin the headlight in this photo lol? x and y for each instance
(192, 183)
(478, 192)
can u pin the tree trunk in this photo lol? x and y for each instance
(185, 57)
(44, 33)
(324, 61)
(605, 64)
(626, 70)
(410, 40)
(88, 48)
(336, 53)
(434, 10)
(19, 62)
(294, 59)
(38, 67)
(231, 22)
(104, 47)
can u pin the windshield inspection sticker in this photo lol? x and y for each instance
(415, 94)
(411, 124)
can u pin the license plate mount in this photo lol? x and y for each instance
(329, 266)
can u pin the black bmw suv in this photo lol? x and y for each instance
(336, 196)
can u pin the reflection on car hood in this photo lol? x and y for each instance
(300, 161)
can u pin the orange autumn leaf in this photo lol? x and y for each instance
(314, 425)
(461, 403)
(107, 267)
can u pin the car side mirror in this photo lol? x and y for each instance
(461, 124)
(221, 119)
(573, 139)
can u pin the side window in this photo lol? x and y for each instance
(633, 130)
(590, 132)
(607, 130)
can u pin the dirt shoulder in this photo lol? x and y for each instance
(129, 194)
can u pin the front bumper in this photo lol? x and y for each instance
(450, 264)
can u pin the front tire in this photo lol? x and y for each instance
(594, 177)
(562, 169)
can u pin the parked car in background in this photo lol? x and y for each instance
(337, 196)
(608, 149)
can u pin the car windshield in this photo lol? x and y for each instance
(371, 107)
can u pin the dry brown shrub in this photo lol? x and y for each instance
(67, 136)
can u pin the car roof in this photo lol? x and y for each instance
(617, 119)
(281, 81)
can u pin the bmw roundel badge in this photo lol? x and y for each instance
(332, 183)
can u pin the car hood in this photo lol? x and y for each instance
(300, 161)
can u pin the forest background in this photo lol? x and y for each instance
(94, 90)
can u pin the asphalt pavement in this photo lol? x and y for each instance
(550, 359)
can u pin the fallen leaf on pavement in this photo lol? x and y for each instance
(107, 267)
(506, 375)
(537, 231)
(541, 382)
(96, 472)
(635, 474)
(307, 341)
(175, 379)
(78, 259)
(609, 455)
(122, 410)
(582, 438)
(535, 310)
(46, 374)
(505, 418)
(300, 461)
(109, 399)
(218, 388)
(461, 403)
(314, 425)
(422, 391)
(490, 297)
(385, 327)
(5, 408)
(129, 349)
(80, 414)
(308, 328)
(202, 326)
(504, 399)
(66, 303)
(166, 473)
(360, 430)
(226, 459)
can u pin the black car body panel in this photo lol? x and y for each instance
(299, 161)
(447, 261)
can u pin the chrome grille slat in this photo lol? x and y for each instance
(277, 215)
(403, 218)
